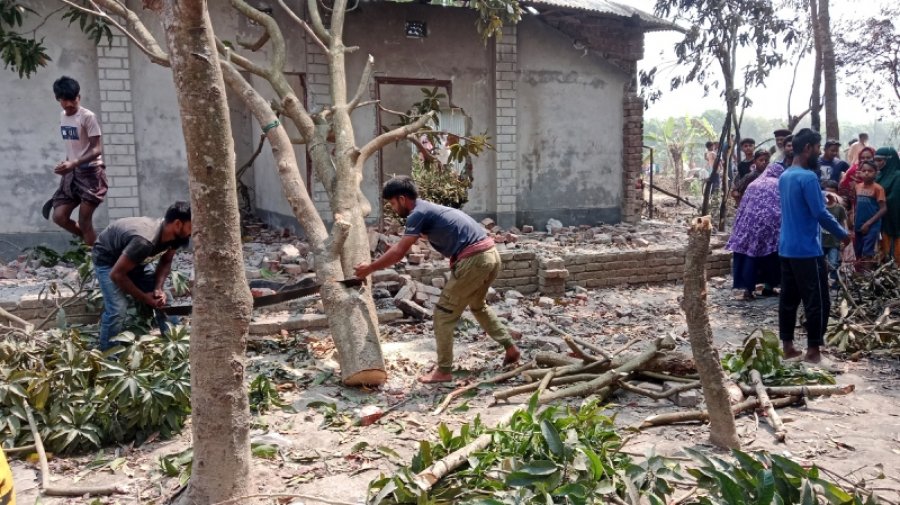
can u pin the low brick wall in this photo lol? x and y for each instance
(35, 309)
(527, 273)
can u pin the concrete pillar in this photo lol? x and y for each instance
(117, 124)
(505, 75)
(632, 155)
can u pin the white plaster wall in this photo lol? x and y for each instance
(569, 125)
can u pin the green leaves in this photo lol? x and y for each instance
(761, 351)
(94, 27)
(263, 395)
(84, 399)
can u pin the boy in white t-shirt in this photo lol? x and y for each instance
(83, 174)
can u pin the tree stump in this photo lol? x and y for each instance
(712, 378)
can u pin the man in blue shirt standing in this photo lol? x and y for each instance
(804, 275)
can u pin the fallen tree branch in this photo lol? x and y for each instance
(766, 404)
(45, 471)
(429, 476)
(529, 388)
(665, 377)
(560, 371)
(627, 345)
(576, 344)
(658, 395)
(493, 380)
(611, 376)
(803, 391)
(702, 415)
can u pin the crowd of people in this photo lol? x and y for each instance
(802, 213)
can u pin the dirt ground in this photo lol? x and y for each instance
(325, 455)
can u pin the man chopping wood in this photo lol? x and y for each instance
(122, 255)
(474, 263)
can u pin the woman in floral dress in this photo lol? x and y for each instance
(754, 238)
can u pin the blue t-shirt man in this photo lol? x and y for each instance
(802, 211)
(448, 230)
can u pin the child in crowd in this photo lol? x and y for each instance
(871, 205)
(831, 245)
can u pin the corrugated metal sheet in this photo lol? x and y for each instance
(649, 21)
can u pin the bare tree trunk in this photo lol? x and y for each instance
(815, 97)
(829, 74)
(678, 162)
(222, 303)
(722, 430)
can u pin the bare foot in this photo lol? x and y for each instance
(435, 377)
(813, 355)
(791, 352)
(512, 355)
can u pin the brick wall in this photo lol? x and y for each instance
(527, 272)
(117, 123)
(35, 309)
(505, 71)
(632, 154)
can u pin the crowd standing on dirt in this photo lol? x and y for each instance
(807, 214)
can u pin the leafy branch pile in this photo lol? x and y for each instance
(575, 456)
(762, 352)
(84, 399)
(868, 317)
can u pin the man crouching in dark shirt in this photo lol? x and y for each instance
(474, 263)
(122, 255)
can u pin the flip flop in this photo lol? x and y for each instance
(47, 208)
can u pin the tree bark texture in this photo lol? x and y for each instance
(829, 74)
(722, 429)
(815, 96)
(222, 302)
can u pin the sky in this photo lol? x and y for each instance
(769, 101)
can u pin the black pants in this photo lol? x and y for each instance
(806, 280)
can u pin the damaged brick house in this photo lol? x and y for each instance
(557, 94)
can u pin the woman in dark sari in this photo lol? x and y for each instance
(754, 238)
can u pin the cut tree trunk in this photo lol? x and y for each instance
(722, 429)
(220, 418)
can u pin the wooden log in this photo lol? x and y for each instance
(804, 391)
(766, 404)
(658, 395)
(528, 388)
(552, 359)
(493, 380)
(723, 432)
(611, 376)
(676, 363)
(536, 375)
(685, 416)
